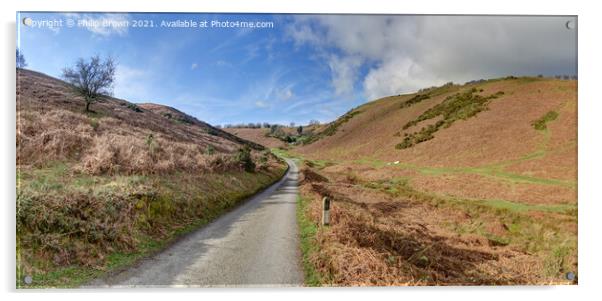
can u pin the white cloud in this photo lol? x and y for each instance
(395, 76)
(302, 33)
(285, 93)
(344, 73)
(223, 63)
(194, 66)
(261, 104)
(132, 84)
(405, 53)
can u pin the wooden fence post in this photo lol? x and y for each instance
(325, 211)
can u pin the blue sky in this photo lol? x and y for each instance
(305, 67)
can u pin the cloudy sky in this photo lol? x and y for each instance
(304, 66)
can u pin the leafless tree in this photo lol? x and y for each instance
(21, 63)
(92, 79)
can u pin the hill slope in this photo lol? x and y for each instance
(479, 182)
(52, 126)
(500, 142)
(183, 118)
(98, 190)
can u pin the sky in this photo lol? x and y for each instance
(293, 68)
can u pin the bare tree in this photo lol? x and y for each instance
(92, 79)
(21, 63)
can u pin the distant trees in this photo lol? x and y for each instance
(92, 78)
(21, 63)
(291, 133)
(273, 128)
(314, 122)
(565, 77)
(250, 125)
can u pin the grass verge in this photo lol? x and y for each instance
(73, 228)
(307, 232)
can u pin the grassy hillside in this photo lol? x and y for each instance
(182, 118)
(259, 135)
(96, 191)
(460, 184)
(282, 137)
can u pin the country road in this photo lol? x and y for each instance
(256, 244)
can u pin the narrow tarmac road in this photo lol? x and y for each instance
(256, 244)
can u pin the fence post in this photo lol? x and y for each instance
(325, 211)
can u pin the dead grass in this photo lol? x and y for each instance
(61, 135)
(115, 138)
(94, 189)
(385, 234)
(474, 186)
(490, 198)
(378, 240)
(501, 133)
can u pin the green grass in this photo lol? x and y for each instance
(376, 163)
(307, 233)
(460, 106)
(541, 123)
(414, 100)
(332, 128)
(319, 164)
(522, 207)
(283, 153)
(492, 171)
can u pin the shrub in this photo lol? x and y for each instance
(333, 126)
(264, 159)
(210, 150)
(453, 108)
(150, 142)
(414, 100)
(542, 123)
(94, 124)
(244, 159)
(134, 107)
(212, 132)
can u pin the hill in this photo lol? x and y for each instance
(258, 135)
(458, 184)
(278, 138)
(99, 190)
(183, 118)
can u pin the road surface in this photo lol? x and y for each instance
(256, 244)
